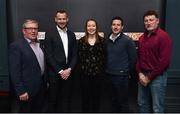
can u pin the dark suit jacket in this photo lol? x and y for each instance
(24, 69)
(55, 54)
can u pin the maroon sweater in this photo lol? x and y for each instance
(154, 53)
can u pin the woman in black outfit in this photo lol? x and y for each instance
(91, 52)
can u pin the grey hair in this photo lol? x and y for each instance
(29, 21)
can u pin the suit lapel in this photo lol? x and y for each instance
(29, 50)
(58, 38)
(69, 41)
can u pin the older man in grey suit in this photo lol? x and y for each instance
(27, 67)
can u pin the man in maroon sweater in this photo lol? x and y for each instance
(154, 53)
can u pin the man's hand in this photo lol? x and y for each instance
(24, 97)
(143, 79)
(65, 73)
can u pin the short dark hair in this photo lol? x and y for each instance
(61, 11)
(117, 18)
(151, 12)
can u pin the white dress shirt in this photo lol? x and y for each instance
(64, 38)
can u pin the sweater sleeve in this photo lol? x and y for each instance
(165, 48)
(132, 55)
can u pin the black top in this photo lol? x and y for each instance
(91, 58)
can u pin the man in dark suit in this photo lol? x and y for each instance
(61, 53)
(26, 68)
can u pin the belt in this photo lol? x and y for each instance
(119, 72)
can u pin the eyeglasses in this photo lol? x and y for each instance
(31, 29)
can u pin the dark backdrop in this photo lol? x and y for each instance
(3, 48)
(173, 27)
(80, 10)
(131, 10)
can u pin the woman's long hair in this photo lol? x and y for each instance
(85, 38)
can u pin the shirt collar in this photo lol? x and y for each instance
(153, 32)
(30, 41)
(60, 30)
(113, 39)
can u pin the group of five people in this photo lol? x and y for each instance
(39, 72)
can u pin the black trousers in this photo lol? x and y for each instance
(34, 104)
(59, 95)
(119, 88)
(91, 92)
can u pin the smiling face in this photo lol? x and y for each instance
(91, 27)
(61, 20)
(151, 22)
(30, 30)
(116, 27)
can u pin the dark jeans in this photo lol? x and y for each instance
(119, 87)
(91, 92)
(59, 95)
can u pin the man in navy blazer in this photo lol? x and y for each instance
(26, 68)
(61, 52)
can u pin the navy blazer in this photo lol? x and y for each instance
(24, 69)
(55, 54)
